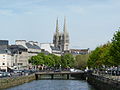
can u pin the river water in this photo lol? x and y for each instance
(54, 85)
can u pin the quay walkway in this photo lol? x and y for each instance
(108, 82)
(107, 76)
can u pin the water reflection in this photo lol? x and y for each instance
(54, 85)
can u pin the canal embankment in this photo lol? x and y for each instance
(97, 81)
(14, 81)
(101, 82)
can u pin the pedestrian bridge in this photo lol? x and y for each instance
(52, 74)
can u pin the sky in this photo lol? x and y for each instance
(90, 23)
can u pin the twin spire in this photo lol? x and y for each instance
(61, 40)
(57, 26)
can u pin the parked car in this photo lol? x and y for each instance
(17, 71)
(72, 70)
(5, 74)
(113, 71)
(1, 74)
(57, 70)
(75, 70)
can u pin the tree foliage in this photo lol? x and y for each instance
(81, 61)
(115, 49)
(48, 60)
(67, 60)
(107, 54)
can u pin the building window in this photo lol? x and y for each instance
(3, 63)
(20, 64)
(3, 56)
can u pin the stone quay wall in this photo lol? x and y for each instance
(14, 81)
(101, 83)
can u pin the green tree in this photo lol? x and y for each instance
(81, 61)
(105, 55)
(57, 60)
(49, 61)
(115, 49)
(100, 56)
(67, 60)
(36, 60)
(94, 58)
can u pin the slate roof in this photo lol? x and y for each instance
(54, 48)
(15, 48)
(32, 46)
(36, 47)
(2, 47)
(4, 42)
(19, 47)
(5, 51)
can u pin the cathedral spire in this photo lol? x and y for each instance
(65, 29)
(57, 28)
(61, 40)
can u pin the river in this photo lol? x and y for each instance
(54, 85)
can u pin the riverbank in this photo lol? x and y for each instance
(14, 81)
(97, 81)
(101, 82)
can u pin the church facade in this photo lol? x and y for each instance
(61, 39)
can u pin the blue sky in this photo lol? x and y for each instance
(90, 22)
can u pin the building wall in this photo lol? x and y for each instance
(30, 54)
(79, 51)
(6, 60)
(55, 52)
(34, 50)
(46, 47)
(21, 60)
(21, 42)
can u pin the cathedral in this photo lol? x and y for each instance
(61, 39)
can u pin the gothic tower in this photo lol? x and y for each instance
(65, 44)
(61, 40)
(56, 36)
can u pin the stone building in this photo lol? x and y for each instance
(17, 56)
(33, 48)
(46, 47)
(6, 59)
(20, 56)
(79, 51)
(61, 40)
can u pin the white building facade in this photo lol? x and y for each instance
(6, 60)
